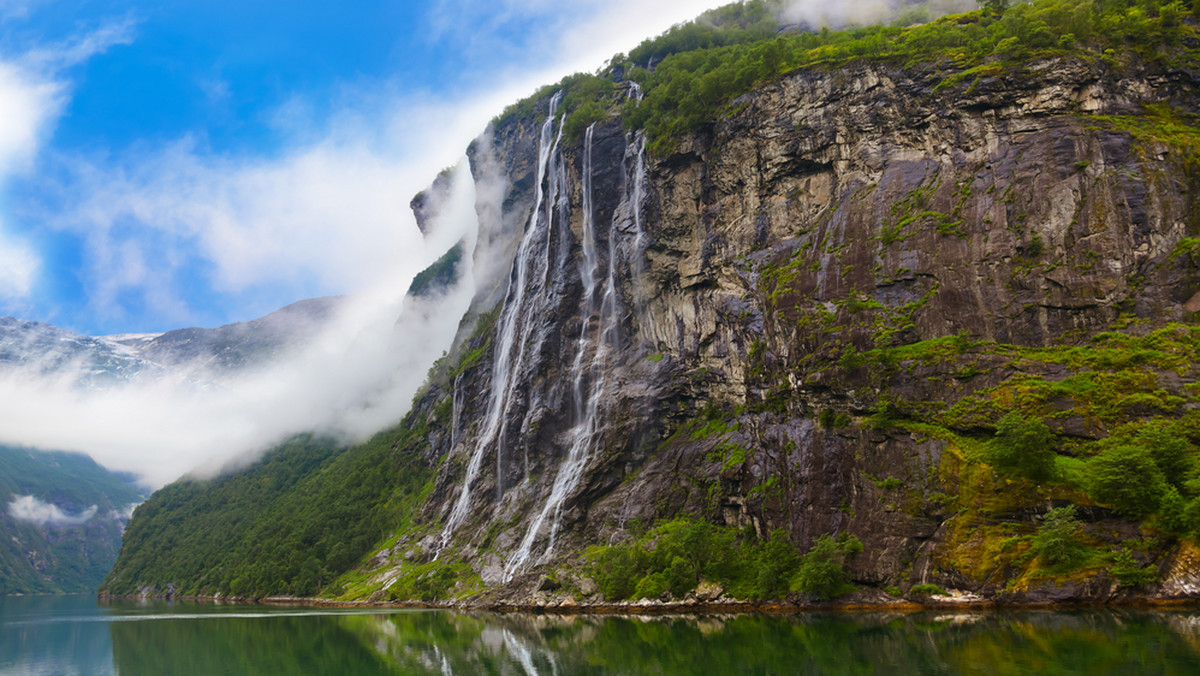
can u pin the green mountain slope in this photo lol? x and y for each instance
(48, 545)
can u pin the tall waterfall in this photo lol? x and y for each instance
(509, 353)
(598, 338)
(635, 192)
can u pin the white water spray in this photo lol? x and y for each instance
(506, 365)
(599, 342)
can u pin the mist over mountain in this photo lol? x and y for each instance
(62, 516)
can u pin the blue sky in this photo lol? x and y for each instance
(168, 164)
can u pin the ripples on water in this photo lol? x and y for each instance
(72, 635)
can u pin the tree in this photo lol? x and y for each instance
(1126, 477)
(1055, 542)
(995, 6)
(1023, 446)
(822, 572)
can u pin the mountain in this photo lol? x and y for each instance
(96, 363)
(47, 351)
(62, 514)
(62, 520)
(891, 312)
(228, 349)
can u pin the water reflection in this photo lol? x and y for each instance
(47, 636)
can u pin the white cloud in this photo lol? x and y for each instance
(356, 378)
(30, 105)
(52, 58)
(31, 510)
(569, 37)
(33, 97)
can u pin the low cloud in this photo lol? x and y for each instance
(357, 377)
(863, 12)
(29, 509)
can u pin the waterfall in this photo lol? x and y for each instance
(635, 158)
(587, 272)
(456, 406)
(506, 366)
(595, 342)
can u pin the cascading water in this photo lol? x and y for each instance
(635, 158)
(597, 341)
(528, 268)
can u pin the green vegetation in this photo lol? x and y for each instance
(1024, 447)
(822, 571)
(697, 74)
(40, 559)
(676, 556)
(439, 276)
(1056, 543)
(926, 590)
(694, 73)
(290, 524)
(1130, 573)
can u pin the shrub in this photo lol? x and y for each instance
(1129, 572)
(1126, 477)
(1055, 543)
(615, 570)
(927, 590)
(652, 586)
(1023, 446)
(1173, 512)
(822, 572)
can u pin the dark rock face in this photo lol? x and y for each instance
(837, 212)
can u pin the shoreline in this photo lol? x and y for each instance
(649, 608)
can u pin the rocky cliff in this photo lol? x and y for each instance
(853, 276)
(812, 316)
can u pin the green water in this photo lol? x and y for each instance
(74, 635)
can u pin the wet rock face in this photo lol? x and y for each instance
(837, 210)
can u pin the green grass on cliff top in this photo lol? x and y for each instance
(693, 74)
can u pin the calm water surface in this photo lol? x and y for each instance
(74, 635)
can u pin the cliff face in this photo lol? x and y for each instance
(808, 318)
(709, 333)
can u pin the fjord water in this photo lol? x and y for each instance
(74, 635)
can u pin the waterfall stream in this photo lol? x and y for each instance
(528, 268)
(526, 301)
(598, 338)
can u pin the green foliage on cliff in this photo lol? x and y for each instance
(693, 74)
(697, 75)
(290, 524)
(1103, 430)
(677, 556)
(1057, 543)
(1024, 446)
(438, 276)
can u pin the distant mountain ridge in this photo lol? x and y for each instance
(62, 514)
(99, 362)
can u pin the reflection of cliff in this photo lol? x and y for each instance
(215, 643)
(444, 643)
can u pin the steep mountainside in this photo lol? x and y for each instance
(62, 520)
(930, 320)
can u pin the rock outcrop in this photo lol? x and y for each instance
(767, 275)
